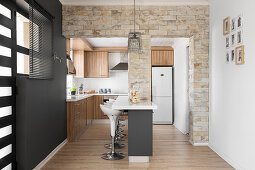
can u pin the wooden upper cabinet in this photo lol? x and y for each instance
(78, 59)
(96, 64)
(162, 57)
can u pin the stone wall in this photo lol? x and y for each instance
(158, 21)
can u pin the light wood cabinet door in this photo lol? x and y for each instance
(90, 109)
(98, 114)
(78, 60)
(76, 119)
(96, 65)
(162, 58)
(83, 116)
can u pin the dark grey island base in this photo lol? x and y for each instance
(140, 133)
(139, 127)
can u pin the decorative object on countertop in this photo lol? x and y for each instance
(73, 91)
(134, 94)
(105, 90)
(134, 39)
(101, 91)
(109, 91)
(90, 92)
(81, 89)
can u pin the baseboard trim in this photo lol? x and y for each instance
(41, 164)
(198, 144)
(234, 164)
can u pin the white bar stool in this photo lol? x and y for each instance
(113, 116)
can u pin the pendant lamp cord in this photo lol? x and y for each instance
(134, 15)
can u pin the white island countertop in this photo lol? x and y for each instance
(123, 103)
(75, 98)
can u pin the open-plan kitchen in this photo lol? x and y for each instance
(126, 84)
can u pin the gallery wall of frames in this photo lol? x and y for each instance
(233, 32)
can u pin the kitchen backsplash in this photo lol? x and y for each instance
(117, 81)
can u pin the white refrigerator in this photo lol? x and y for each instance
(162, 94)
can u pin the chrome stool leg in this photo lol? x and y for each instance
(113, 155)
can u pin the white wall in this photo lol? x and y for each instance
(181, 119)
(117, 81)
(232, 88)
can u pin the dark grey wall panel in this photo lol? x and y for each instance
(140, 133)
(41, 106)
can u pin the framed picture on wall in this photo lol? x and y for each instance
(239, 37)
(226, 26)
(232, 55)
(239, 55)
(233, 24)
(227, 57)
(227, 41)
(239, 21)
(233, 39)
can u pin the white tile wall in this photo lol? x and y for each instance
(117, 81)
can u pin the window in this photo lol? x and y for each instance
(22, 63)
(22, 27)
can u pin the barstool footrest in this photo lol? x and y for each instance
(112, 156)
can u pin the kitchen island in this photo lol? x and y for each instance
(139, 127)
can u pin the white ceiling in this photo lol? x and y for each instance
(123, 42)
(131, 2)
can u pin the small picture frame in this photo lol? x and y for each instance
(239, 37)
(227, 57)
(226, 26)
(233, 24)
(239, 21)
(232, 55)
(239, 55)
(233, 39)
(227, 42)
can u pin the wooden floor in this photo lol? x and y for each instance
(171, 150)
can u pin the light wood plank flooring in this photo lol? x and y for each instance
(171, 151)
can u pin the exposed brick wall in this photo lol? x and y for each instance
(158, 21)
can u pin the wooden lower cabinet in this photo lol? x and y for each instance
(90, 109)
(79, 115)
(98, 114)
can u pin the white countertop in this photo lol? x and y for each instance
(75, 98)
(123, 103)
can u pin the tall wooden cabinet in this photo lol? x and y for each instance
(78, 60)
(162, 56)
(96, 64)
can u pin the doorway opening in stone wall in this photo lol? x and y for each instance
(169, 85)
